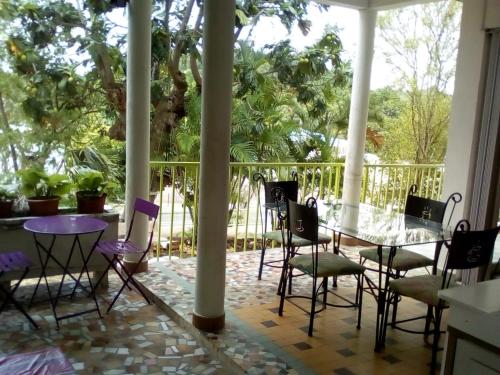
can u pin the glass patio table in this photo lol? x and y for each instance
(382, 229)
(65, 225)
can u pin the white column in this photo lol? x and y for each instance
(138, 115)
(218, 50)
(358, 115)
(466, 106)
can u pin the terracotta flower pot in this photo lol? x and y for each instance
(44, 206)
(6, 208)
(87, 204)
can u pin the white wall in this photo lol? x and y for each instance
(492, 15)
(466, 105)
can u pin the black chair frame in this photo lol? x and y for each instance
(9, 296)
(116, 262)
(466, 250)
(309, 214)
(422, 208)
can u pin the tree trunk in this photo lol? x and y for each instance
(8, 133)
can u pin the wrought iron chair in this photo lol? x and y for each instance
(15, 261)
(114, 251)
(302, 222)
(467, 250)
(290, 190)
(405, 259)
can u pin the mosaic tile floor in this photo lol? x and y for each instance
(260, 341)
(135, 338)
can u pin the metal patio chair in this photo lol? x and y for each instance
(114, 251)
(14, 261)
(302, 221)
(466, 250)
(405, 259)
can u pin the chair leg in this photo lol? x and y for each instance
(313, 308)
(9, 296)
(359, 299)
(325, 291)
(390, 295)
(395, 305)
(283, 289)
(262, 254)
(428, 320)
(129, 279)
(435, 341)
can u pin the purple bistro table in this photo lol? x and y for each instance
(65, 225)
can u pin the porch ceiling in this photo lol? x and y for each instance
(374, 4)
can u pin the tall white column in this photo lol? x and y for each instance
(466, 107)
(138, 115)
(218, 50)
(358, 114)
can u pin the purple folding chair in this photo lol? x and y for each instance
(114, 251)
(12, 262)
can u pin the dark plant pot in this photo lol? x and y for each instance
(87, 204)
(6, 208)
(44, 206)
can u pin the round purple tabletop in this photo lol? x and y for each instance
(65, 225)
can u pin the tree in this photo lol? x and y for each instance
(424, 59)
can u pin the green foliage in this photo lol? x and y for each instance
(36, 183)
(8, 192)
(424, 58)
(91, 182)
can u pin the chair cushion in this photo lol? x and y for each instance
(423, 288)
(117, 247)
(13, 261)
(404, 260)
(296, 241)
(328, 265)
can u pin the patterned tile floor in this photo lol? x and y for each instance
(260, 341)
(134, 338)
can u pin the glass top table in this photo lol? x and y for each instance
(381, 228)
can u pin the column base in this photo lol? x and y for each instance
(209, 324)
(143, 266)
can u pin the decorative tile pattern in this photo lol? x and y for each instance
(302, 345)
(343, 371)
(346, 352)
(268, 323)
(391, 359)
(137, 338)
(133, 338)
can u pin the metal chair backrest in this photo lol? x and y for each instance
(303, 219)
(468, 249)
(146, 208)
(429, 209)
(290, 188)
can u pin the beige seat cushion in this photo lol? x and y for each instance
(422, 288)
(404, 260)
(296, 241)
(328, 265)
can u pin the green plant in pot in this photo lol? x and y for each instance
(92, 188)
(43, 191)
(8, 194)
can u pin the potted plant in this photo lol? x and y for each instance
(43, 191)
(92, 189)
(7, 196)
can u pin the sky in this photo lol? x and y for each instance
(346, 20)
(270, 30)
